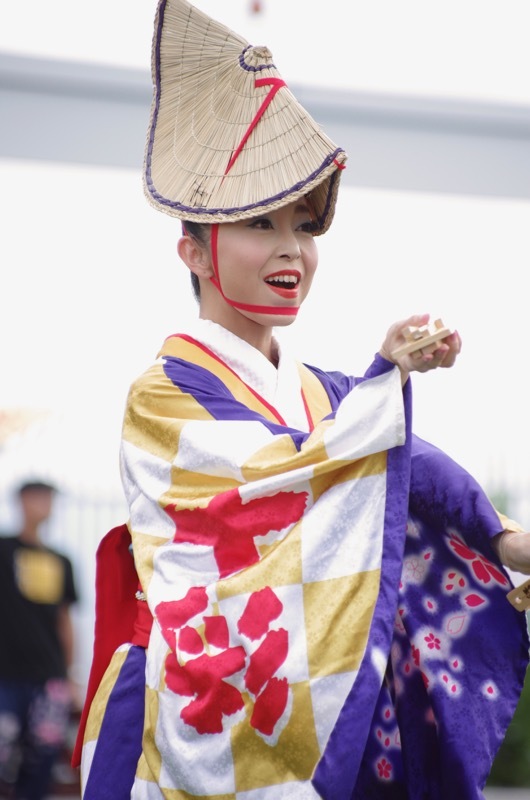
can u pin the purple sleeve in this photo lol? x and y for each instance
(440, 489)
(378, 366)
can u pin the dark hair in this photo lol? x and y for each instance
(36, 486)
(201, 232)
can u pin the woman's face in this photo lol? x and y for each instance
(265, 266)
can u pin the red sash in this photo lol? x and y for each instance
(120, 617)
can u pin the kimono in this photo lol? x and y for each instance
(314, 609)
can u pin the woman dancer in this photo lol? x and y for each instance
(314, 606)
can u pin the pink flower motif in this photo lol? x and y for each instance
(398, 621)
(473, 600)
(433, 643)
(483, 569)
(414, 569)
(490, 690)
(451, 685)
(454, 581)
(384, 768)
(384, 738)
(456, 624)
(430, 605)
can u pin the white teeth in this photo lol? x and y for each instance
(283, 279)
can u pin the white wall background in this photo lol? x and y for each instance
(459, 48)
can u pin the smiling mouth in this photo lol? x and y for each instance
(284, 284)
(283, 280)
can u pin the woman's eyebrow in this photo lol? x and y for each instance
(302, 207)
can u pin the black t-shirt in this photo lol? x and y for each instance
(35, 581)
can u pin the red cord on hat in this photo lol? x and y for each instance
(276, 84)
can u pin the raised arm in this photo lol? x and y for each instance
(441, 353)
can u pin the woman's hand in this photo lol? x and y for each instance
(513, 549)
(442, 353)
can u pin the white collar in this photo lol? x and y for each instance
(280, 386)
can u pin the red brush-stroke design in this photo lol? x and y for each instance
(266, 660)
(203, 677)
(270, 706)
(229, 525)
(190, 641)
(174, 614)
(216, 632)
(262, 608)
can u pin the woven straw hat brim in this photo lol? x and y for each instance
(227, 139)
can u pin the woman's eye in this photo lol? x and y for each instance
(308, 227)
(262, 223)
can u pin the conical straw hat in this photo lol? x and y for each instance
(227, 139)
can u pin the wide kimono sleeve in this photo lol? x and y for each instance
(460, 650)
(443, 491)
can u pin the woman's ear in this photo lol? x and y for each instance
(195, 256)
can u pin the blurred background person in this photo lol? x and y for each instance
(37, 589)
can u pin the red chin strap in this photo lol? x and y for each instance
(284, 311)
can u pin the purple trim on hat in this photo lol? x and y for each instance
(161, 10)
(332, 181)
(228, 211)
(243, 64)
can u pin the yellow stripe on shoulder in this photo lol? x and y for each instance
(156, 410)
(195, 353)
(316, 397)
